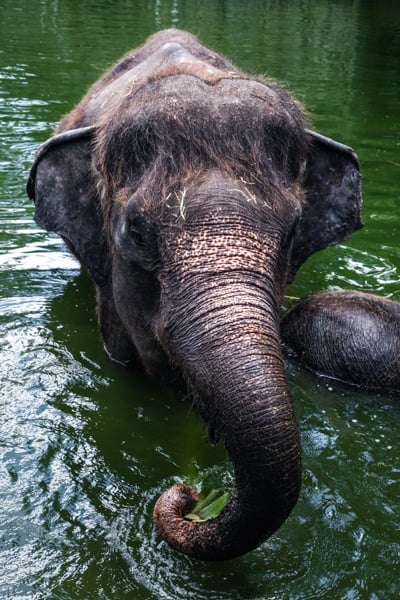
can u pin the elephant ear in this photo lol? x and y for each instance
(331, 212)
(62, 187)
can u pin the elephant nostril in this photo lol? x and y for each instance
(172, 505)
(135, 235)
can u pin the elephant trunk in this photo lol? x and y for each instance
(228, 344)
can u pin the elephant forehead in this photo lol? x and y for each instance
(196, 89)
(208, 93)
(171, 60)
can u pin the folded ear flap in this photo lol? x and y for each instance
(62, 187)
(331, 212)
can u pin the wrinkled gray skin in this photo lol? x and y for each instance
(351, 336)
(192, 193)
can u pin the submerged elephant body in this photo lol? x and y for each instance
(190, 192)
(351, 336)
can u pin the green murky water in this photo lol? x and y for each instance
(86, 447)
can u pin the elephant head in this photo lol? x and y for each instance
(192, 193)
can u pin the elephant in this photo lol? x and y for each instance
(192, 192)
(347, 335)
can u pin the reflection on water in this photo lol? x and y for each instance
(86, 447)
(365, 271)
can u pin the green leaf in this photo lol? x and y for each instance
(208, 508)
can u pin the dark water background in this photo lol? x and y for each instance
(86, 447)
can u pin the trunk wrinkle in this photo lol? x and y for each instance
(220, 301)
(241, 388)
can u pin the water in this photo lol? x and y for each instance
(86, 447)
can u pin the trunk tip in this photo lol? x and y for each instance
(169, 514)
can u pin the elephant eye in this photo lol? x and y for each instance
(293, 226)
(139, 243)
(288, 244)
(135, 233)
